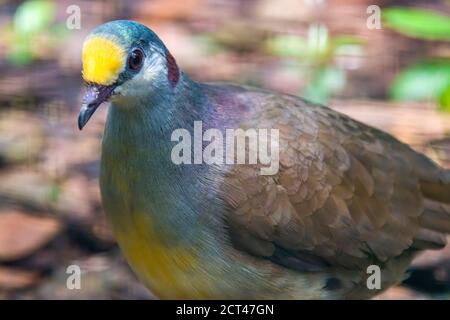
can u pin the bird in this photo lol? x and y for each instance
(345, 198)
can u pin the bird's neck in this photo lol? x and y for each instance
(136, 165)
(148, 121)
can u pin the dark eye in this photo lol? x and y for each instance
(135, 59)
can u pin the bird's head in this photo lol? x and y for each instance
(124, 61)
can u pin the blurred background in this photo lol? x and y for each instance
(386, 63)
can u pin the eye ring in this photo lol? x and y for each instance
(135, 59)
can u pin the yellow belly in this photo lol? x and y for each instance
(168, 271)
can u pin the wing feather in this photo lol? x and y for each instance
(345, 193)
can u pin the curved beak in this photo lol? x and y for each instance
(95, 95)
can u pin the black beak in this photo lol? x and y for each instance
(95, 95)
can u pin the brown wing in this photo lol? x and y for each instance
(345, 194)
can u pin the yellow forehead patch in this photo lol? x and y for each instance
(103, 60)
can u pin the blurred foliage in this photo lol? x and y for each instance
(418, 23)
(444, 99)
(32, 31)
(423, 81)
(33, 16)
(317, 52)
(326, 81)
(428, 80)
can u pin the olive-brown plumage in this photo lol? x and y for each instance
(346, 195)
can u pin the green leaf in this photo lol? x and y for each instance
(318, 41)
(33, 16)
(326, 81)
(422, 82)
(287, 46)
(444, 100)
(313, 48)
(54, 193)
(418, 23)
(20, 51)
(343, 40)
